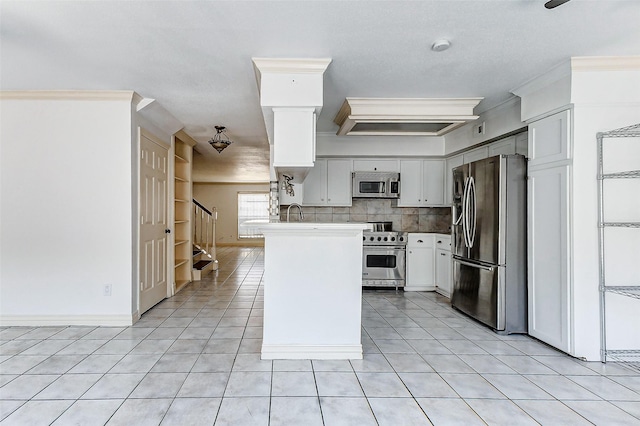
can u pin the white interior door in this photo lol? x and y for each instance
(153, 222)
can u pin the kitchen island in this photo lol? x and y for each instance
(312, 290)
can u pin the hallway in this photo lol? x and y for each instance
(194, 359)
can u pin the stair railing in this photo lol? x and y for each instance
(204, 229)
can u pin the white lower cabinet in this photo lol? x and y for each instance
(444, 285)
(420, 262)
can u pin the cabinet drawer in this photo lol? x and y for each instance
(419, 240)
(443, 242)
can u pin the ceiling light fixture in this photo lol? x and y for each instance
(218, 142)
(441, 45)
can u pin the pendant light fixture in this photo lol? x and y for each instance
(220, 141)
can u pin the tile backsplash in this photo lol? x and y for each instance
(407, 219)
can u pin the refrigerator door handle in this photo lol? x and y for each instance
(475, 265)
(465, 212)
(473, 210)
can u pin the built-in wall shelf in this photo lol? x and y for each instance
(622, 209)
(180, 262)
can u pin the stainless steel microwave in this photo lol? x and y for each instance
(376, 185)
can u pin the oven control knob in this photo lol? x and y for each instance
(364, 238)
(385, 238)
(379, 238)
(393, 238)
(371, 238)
(401, 238)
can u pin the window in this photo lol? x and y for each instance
(252, 206)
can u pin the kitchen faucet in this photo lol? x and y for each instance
(300, 215)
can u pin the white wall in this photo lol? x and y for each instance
(604, 99)
(66, 208)
(328, 144)
(224, 197)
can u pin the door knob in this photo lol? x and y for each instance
(167, 231)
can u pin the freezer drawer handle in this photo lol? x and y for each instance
(475, 265)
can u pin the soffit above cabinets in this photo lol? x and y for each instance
(404, 116)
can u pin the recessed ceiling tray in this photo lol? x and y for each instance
(404, 116)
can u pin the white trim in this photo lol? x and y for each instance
(291, 65)
(420, 288)
(88, 95)
(69, 320)
(605, 63)
(311, 352)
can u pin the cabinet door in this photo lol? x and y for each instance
(375, 166)
(339, 182)
(476, 154)
(420, 269)
(433, 182)
(443, 272)
(521, 143)
(549, 139)
(548, 256)
(315, 185)
(503, 146)
(410, 183)
(450, 164)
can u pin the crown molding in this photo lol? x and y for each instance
(291, 65)
(557, 73)
(88, 95)
(605, 63)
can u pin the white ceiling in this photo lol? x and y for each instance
(194, 57)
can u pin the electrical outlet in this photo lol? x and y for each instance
(478, 130)
(106, 290)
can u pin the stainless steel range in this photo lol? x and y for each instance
(383, 258)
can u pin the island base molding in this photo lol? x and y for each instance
(311, 352)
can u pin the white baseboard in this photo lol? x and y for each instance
(443, 293)
(420, 288)
(68, 320)
(311, 352)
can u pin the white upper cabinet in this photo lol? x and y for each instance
(421, 183)
(376, 166)
(476, 154)
(503, 146)
(549, 139)
(328, 184)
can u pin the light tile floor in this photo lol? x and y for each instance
(194, 360)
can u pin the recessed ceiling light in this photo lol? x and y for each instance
(440, 45)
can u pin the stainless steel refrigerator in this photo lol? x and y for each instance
(489, 242)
